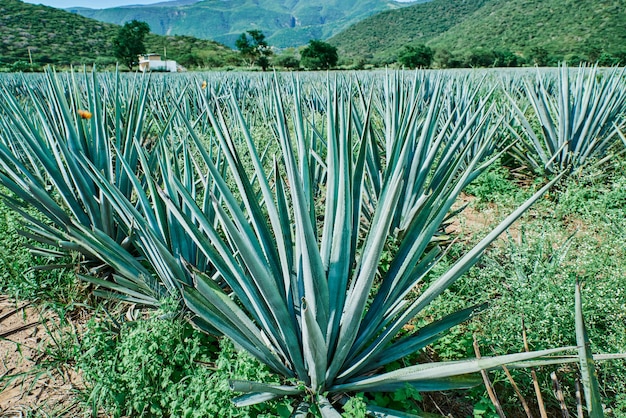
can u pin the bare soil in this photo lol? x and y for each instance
(474, 221)
(25, 385)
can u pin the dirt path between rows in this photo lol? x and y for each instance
(26, 385)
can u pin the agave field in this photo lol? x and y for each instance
(346, 244)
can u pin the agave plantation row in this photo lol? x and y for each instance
(265, 203)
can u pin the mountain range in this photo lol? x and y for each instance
(286, 23)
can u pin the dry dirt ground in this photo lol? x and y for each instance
(27, 388)
(476, 221)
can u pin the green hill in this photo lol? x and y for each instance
(286, 23)
(57, 37)
(477, 32)
(560, 27)
(380, 37)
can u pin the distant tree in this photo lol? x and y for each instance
(609, 59)
(620, 57)
(105, 61)
(506, 58)
(213, 60)
(287, 58)
(592, 53)
(128, 44)
(254, 49)
(443, 58)
(480, 58)
(22, 67)
(190, 59)
(263, 62)
(574, 59)
(319, 55)
(358, 64)
(416, 56)
(287, 61)
(539, 56)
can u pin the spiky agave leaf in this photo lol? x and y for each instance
(78, 167)
(297, 324)
(587, 364)
(51, 137)
(577, 119)
(294, 288)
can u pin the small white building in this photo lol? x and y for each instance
(153, 62)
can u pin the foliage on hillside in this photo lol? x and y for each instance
(493, 32)
(379, 38)
(286, 23)
(562, 28)
(60, 38)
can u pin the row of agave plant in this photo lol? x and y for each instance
(265, 204)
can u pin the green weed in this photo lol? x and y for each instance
(530, 276)
(492, 186)
(162, 367)
(20, 277)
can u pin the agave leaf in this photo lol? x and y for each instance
(431, 371)
(273, 211)
(379, 412)
(326, 409)
(255, 398)
(127, 266)
(123, 292)
(433, 385)
(285, 230)
(440, 284)
(20, 181)
(249, 197)
(55, 143)
(311, 266)
(271, 296)
(217, 309)
(587, 363)
(552, 360)
(361, 286)
(576, 120)
(314, 347)
(252, 387)
(169, 269)
(302, 411)
(425, 216)
(423, 337)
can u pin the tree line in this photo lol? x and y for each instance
(317, 55)
(422, 56)
(253, 51)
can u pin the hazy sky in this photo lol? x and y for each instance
(94, 4)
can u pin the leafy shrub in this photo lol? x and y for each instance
(319, 55)
(287, 61)
(416, 56)
(355, 407)
(163, 367)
